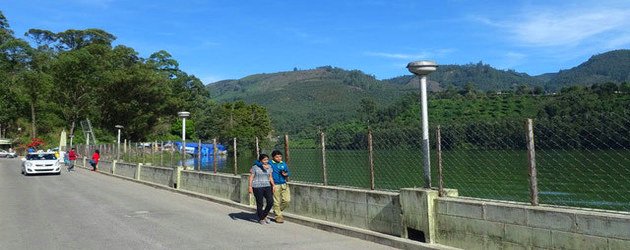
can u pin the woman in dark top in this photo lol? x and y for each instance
(261, 185)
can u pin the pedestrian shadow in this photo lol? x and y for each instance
(244, 216)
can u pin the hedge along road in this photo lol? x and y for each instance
(87, 210)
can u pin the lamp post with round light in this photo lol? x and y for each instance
(422, 69)
(183, 115)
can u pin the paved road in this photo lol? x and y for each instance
(87, 210)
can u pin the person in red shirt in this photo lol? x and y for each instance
(72, 157)
(95, 157)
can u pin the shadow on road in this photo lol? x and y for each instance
(244, 216)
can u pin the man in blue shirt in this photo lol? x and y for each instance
(281, 195)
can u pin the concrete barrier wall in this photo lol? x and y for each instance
(126, 169)
(472, 224)
(457, 222)
(158, 175)
(104, 166)
(225, 186)
(373, 210)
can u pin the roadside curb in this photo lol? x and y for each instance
(379, 238)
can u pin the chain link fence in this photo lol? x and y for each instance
(580, 161)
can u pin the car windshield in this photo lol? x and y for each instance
(31, 157)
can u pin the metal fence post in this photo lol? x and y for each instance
(531, 156)
(214, 154)
(235, 158)
(171, 153)
(438, 139)
(371, 156)
(144, 153)
(286, 149)
(153, 153)
(323, 138)
(199, 155)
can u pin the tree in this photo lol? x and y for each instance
(28, 68)
(6, 33)
(522, 89)
(77, 75)
(133, 94)
(70, 39)
(236, 119)
(367, 110)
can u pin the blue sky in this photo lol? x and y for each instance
(223, 39)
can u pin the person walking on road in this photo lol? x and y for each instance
(281, 194)
(72, 158)
(261, 185)
(94, 161)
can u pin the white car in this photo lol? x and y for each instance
(6, 154)
(40, 163)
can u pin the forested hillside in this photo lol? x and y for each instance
(481, 76)
(612, 66)
(306, 99)
(302, 100)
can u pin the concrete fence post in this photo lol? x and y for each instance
(246, 197)
(419, 214)
(177, 176)
(138, 170)
(114, 167)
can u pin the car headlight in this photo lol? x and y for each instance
(28, 164)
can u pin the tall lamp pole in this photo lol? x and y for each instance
(183, 115)
(422, 69)
(119, 127)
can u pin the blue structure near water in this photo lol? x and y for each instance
(207, 149)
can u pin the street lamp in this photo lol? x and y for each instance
(183, 115)
(422, 69)
(119, 127)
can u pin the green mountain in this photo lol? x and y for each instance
(612, 66)
(301, 100)
(482, 77)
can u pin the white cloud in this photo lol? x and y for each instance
(618, 42)
(510, 59)
(564, 26)
(398, 55)
(97, 3)
(515, 56)
(210, 79)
